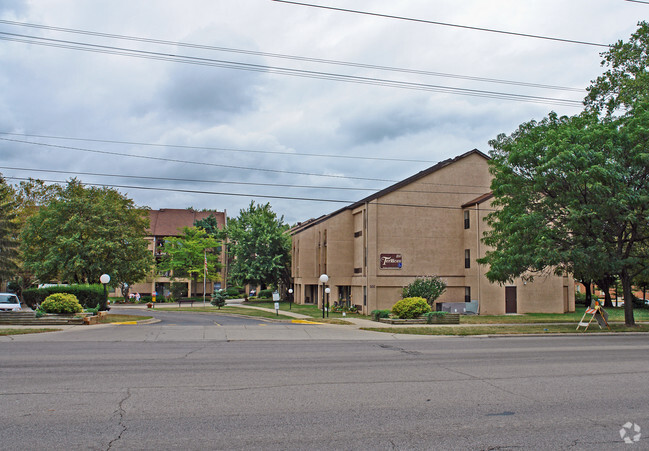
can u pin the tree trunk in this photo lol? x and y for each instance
(589, 296)
(605, 285)
(628, 299)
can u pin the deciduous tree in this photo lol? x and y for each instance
(573, 192)
(187, 255)
(259, 247)
(82, 233)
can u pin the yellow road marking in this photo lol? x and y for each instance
(303, 321)
(126, 322)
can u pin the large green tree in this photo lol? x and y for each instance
(186, 255)
(84, 232)
(9, 229)
(259, 247)
(573, 192)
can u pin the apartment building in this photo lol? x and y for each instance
(166, 223)
(428, 224)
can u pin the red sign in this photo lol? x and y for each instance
(390, 261)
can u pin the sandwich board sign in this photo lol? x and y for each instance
(597, 313)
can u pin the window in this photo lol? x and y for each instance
(467, 294)
(357, 234)
(358, 270)
(467, 222)
(467, 258)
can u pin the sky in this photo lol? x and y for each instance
(212, 104)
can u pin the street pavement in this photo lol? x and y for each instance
(162, 391)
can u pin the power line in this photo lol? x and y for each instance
(72, 45)
(226, 149)
(490, 30)
(293, 57)
(200, 163)
(263, 196)
(272, 185)
(637, 1)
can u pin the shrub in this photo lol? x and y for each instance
(61, 303)
(430, 315)
(378, 314)
(218, 298)
(266, 294)
(410, 308)
(429, 288)
(232, 292)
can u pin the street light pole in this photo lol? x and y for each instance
(327, 291)
(323, 279)
(290, 298)
(105, 278)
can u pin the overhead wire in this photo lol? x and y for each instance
(272, 185)
(263, 196)
(94, 48)
(291, 57)
(446, 24)
(202, 163)
(225, 149)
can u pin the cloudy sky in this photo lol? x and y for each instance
(213, 103)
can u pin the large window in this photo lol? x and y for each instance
(467, 222)
(467, 258)
(467, 294)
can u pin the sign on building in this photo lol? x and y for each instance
(390, 261)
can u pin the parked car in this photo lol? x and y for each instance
(9, 303)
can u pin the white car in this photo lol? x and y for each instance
(9, 303)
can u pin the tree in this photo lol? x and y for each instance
(573, 192)
(211, 226)
(259, 247)
(9, 229)
(626, 82)
(429, 288)
(187, 254)
(30, 196)
(82, 233)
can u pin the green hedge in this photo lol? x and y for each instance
(266, 294)
(378, 314)
(89, 296)
(409, 308)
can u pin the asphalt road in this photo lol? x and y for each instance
(433, 393)
(172, 318)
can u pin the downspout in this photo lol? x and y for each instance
(477, 226)
(365, 251)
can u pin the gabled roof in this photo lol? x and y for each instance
(389, 189)
(169, 221)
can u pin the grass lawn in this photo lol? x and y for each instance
(25, 331)
(504, 330)
(614, 314)
(232, 310)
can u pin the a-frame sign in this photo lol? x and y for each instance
(597, 313)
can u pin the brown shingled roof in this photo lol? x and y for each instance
(170, 221)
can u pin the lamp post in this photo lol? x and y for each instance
(323, 279)
(327, 291)
(105, 278)
(290, 298)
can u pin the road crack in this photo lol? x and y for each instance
(120, 412)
